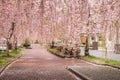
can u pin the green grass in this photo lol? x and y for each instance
(13, 56)
(56, 52)
(101, 60)
(52, 50)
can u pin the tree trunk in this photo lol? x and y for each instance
(52, 44)
(7, 49)
(87, 47)
(15, 44)
(7, 52)
(117, 35)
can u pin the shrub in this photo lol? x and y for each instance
(27, 43)
(36, 42)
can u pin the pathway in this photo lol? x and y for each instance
(38, 64)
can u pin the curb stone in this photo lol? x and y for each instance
(80, 75)
(58, 55)
(62, 56)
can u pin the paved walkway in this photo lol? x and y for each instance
(101, 53)
(38, 64)
(97, 72)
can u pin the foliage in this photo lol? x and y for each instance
(27, 43)
(46, 20)
(36, 42)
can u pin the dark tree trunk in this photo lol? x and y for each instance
(87, 47)
(10, 33)
(7, 48)
(15, 44)
(52, 44)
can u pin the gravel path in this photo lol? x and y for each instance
(38, 64)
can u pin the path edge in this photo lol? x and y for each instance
(80, 75)
(4, 68)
